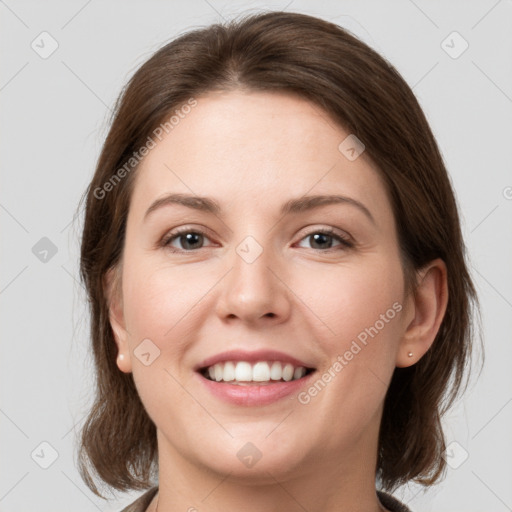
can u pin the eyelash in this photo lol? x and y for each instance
(345, 243)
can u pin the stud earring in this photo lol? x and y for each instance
(410, 354)
(120, 357)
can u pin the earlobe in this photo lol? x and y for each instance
(124, 363)
(429, 306)
(113, 294)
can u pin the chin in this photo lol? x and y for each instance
(254, 460)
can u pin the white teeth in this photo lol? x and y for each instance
(262, 371)
(243, 371)
(276, 373)
(229, 371)
(288, 372)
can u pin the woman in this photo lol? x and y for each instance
(280, 302)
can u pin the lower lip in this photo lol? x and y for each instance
(254, 395)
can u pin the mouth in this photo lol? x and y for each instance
(261, 373)
(260, 378)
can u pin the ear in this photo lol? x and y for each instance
(113, 293)
(427, 308)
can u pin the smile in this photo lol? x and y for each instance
(254, 378)
(260, 372)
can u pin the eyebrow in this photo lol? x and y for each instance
(301, 204)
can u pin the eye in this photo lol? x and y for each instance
(188, 238)
(193, 239)
(323, 238)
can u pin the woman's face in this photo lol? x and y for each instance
(255, 292)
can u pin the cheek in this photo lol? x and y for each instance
(349, 299)
(360, 308)
(160, 308)
(159, 300)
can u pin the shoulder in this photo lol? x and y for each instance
(391, 503)
(142, 502)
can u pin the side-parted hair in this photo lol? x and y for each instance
(325, 64)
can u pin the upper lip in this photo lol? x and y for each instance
(251, 357)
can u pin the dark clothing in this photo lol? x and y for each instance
(141, 503)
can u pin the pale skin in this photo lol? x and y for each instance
(251, 152)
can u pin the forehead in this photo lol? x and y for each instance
(248, 145)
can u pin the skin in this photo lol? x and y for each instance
(251, 152)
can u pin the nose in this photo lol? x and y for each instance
(255, 292)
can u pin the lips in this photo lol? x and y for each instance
(253, 378)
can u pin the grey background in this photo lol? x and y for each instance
(54, 119)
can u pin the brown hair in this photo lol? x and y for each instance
(325, 64)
